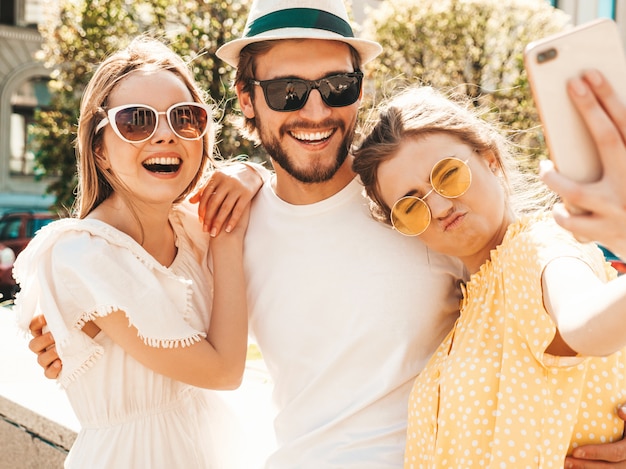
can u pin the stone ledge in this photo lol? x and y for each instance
(30, 441)
(37, 424)
(38, 427)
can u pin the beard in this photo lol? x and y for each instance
(315, 172)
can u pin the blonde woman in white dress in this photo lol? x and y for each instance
(146, 308)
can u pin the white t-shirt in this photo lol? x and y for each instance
(346, 313)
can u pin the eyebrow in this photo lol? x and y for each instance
(413, 192)
(328, 74)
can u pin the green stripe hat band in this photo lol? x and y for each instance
(308, 18)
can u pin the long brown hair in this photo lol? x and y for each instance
(95, 184)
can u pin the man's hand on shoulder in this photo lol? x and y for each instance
(43, 345)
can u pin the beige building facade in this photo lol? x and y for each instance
(23, 90)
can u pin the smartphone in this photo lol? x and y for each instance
(550, 63)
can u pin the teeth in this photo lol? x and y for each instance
(165, 161)
(312, 136)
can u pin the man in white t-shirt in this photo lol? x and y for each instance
(345, 311)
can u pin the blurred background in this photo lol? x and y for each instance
(50, 48)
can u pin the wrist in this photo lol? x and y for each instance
(258, 169)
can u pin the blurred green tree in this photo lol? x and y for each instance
(81, 33)
(469, 47)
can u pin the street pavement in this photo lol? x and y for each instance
(22, 381)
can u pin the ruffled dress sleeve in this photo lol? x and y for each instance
(76, 270)
(529, 246)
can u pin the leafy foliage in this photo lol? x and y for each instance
(471, 47)
(82, 33)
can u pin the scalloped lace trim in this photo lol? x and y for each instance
(151, 341)
(66, 379)
(98, 351)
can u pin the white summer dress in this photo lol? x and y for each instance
(130, 416)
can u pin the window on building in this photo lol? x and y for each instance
(7, 12)
(606, 9)
(33, 13)
(24, 13)
(34, 94)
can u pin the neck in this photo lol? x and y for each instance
(147, 224)
(474, 262)
(297, 192)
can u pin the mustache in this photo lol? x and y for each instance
(302, 125)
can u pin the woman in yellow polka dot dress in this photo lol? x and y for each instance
(534, 365)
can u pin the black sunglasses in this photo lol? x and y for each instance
(291, 94)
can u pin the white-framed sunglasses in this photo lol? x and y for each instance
(450, 178)
(136, 123)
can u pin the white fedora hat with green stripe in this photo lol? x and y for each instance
(297, 19)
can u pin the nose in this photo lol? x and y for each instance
(440, 206)
(315, 109)
(163, 133)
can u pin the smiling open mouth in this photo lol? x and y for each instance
(162, 165)
(312, 137)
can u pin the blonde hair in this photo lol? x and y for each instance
(95, 184)
(419, 111)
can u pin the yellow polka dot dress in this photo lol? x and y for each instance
(490, 397)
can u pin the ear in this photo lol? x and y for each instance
(102, 161)
(245, 101)
(492, 160)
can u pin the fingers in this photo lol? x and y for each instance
(195, 198)
(231, 215)
(612, 103)
(222, 211)
(52, 372)
(567, 188)
(222, 201)
(604, 201)
(578, 195)
(573, 463)
(603, 113)
(50, 362)
(47, 356)
(41, 342)
(609, 455)
(204, 198)
(36, 325)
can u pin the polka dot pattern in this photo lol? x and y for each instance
(490, 396)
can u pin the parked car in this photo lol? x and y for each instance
(16, 230)
(617, 263)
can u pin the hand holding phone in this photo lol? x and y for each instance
(550, 63)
